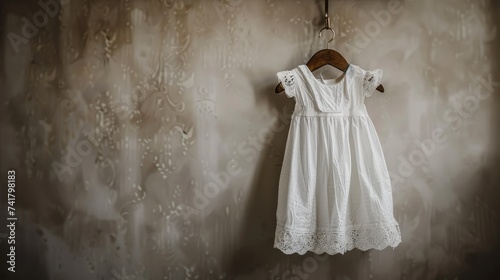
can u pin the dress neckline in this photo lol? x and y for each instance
(317, 81)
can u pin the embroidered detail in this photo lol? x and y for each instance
(287, 79)
(337, 242)
(371, 82)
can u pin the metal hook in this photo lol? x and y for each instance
(327, 25)
(333, 34)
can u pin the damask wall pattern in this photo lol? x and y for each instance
(147, 140)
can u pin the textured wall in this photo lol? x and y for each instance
(147, 140)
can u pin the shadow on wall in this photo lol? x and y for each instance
(257, 230)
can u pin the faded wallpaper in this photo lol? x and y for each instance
(142, 139)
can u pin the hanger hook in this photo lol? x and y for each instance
(333, 35)
(327, 25)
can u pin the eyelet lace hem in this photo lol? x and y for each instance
(379, 238)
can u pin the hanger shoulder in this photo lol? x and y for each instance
(279, 88)
(328, 57)
(381, 88)
(333, 58)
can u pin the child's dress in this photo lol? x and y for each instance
(334, 190)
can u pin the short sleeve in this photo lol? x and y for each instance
(287, 79)
(371, 81)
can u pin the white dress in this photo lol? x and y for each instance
(334, 190)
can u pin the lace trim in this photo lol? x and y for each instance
(337, 242)
(371, 82)
(287, 79)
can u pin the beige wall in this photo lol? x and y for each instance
(162, 102)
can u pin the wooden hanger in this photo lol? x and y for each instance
(326, 56)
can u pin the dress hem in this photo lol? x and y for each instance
(379, 238)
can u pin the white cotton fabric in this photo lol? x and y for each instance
(334, 190)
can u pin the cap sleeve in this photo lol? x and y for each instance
(287, 79)
(371, 81)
